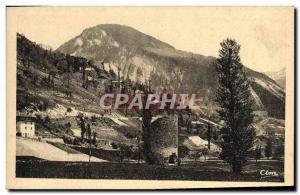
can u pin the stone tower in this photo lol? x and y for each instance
(164, 138)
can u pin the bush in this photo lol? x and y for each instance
(38, 117)
(114, 145)
(183, 151)
(80, 114)
(94, 119)
(47, 119)
(129, 132)
(126, 150)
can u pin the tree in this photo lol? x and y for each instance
(126, 151)
(279, 152)
(94, 140)
(114, 145)
(89, 132)
(257, 153)
(196, 155)
(139, 148)
(205, 152)
(234, 106)
(82, 127)
(188, 123)
(147, 117)
(47, 119)
(183, 151)
(147, 132)
(268, 149)
(215, 135)
(209, 135)
(68, 127)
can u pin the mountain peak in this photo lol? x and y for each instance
(140, 57)
(278, 76)
(117, 35)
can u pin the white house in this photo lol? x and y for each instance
(26, 128)
(89, 69)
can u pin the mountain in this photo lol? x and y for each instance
(52, 81)
(140, 57)
(278, 77)
(52, 88)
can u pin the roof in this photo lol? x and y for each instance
(89, 69)
(210, 122)
(25, 118)
(196, 143)
(23, 114)
(197, 123)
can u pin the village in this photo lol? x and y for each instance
(178, 137)
(60, 120)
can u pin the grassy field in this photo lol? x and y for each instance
(202, 171)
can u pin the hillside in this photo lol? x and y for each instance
(51, 87)
(140, 58)
(54, 87)
(278, 77)
(47, 79)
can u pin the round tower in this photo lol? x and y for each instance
(164, 139)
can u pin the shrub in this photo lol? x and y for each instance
(114, 145)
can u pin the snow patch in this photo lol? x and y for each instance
(116, 120)
(60, 111)
(74, 53)
(97, 41)
(115, 44)
(103, 33)
(78, 42)
(90, 42)
(256, 98)
(144, 66)
(271, 87)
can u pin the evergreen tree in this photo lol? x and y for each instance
(279, 152)
(94, 140)
(208, 135)
(215, 135)
(268, 149)
(233, 99)
(82, 127)
(147, 118)
(257, 153)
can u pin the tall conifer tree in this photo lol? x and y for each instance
(235, 106)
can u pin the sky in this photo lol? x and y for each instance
(264, 33)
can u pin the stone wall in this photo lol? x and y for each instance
(164, 138)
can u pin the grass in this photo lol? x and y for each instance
(201, 171)
(64, 148)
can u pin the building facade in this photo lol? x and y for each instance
(26, 128)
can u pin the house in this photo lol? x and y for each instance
(25, 126)
(89, 69)
(103, 142)
(195, 143)
(89, 78)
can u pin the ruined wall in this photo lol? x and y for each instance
(164, 138)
